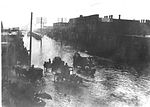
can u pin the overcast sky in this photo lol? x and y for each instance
(17, 12)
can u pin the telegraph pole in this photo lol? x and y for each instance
(41, 30)
(41, 24)
(31, 37)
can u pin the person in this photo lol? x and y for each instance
(49, 63)
(67, 69)
(77, 60)
(45, 66)
(49, 60)
(55, 63)
(87, 70)
(75, 56)
(32, 66)
(92, 73)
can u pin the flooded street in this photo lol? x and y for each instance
(110, 88)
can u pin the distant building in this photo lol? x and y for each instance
(9, 39)
(60, 25)
(12, 32)
(118, 39)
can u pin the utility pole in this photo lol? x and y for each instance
(41, 30)
(31, 37)
(1, 27)
(41, 24)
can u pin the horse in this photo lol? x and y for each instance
(20, 72)
(62, 73)
(56, 64)
(35, 74)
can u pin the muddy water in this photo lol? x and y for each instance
(111, 88)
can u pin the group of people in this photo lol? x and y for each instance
(47, 65)
(58, 67)
(62, 71)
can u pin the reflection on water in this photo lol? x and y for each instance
(111, 88)
(49, 49)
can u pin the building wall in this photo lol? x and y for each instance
(118, 39)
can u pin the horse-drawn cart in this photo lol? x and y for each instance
(30, 73)
(84, 65)
(81, 65)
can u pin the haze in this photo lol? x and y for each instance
(16, 13)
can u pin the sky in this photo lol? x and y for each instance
(16, 13)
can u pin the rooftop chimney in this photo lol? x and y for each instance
(111, 16)
(119, 16)
(61, 19)
(81, 16)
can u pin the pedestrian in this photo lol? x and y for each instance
(32, 66)
(67, 69)
(49, 60)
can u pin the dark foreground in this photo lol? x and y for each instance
(111, 87)
(21, 93)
